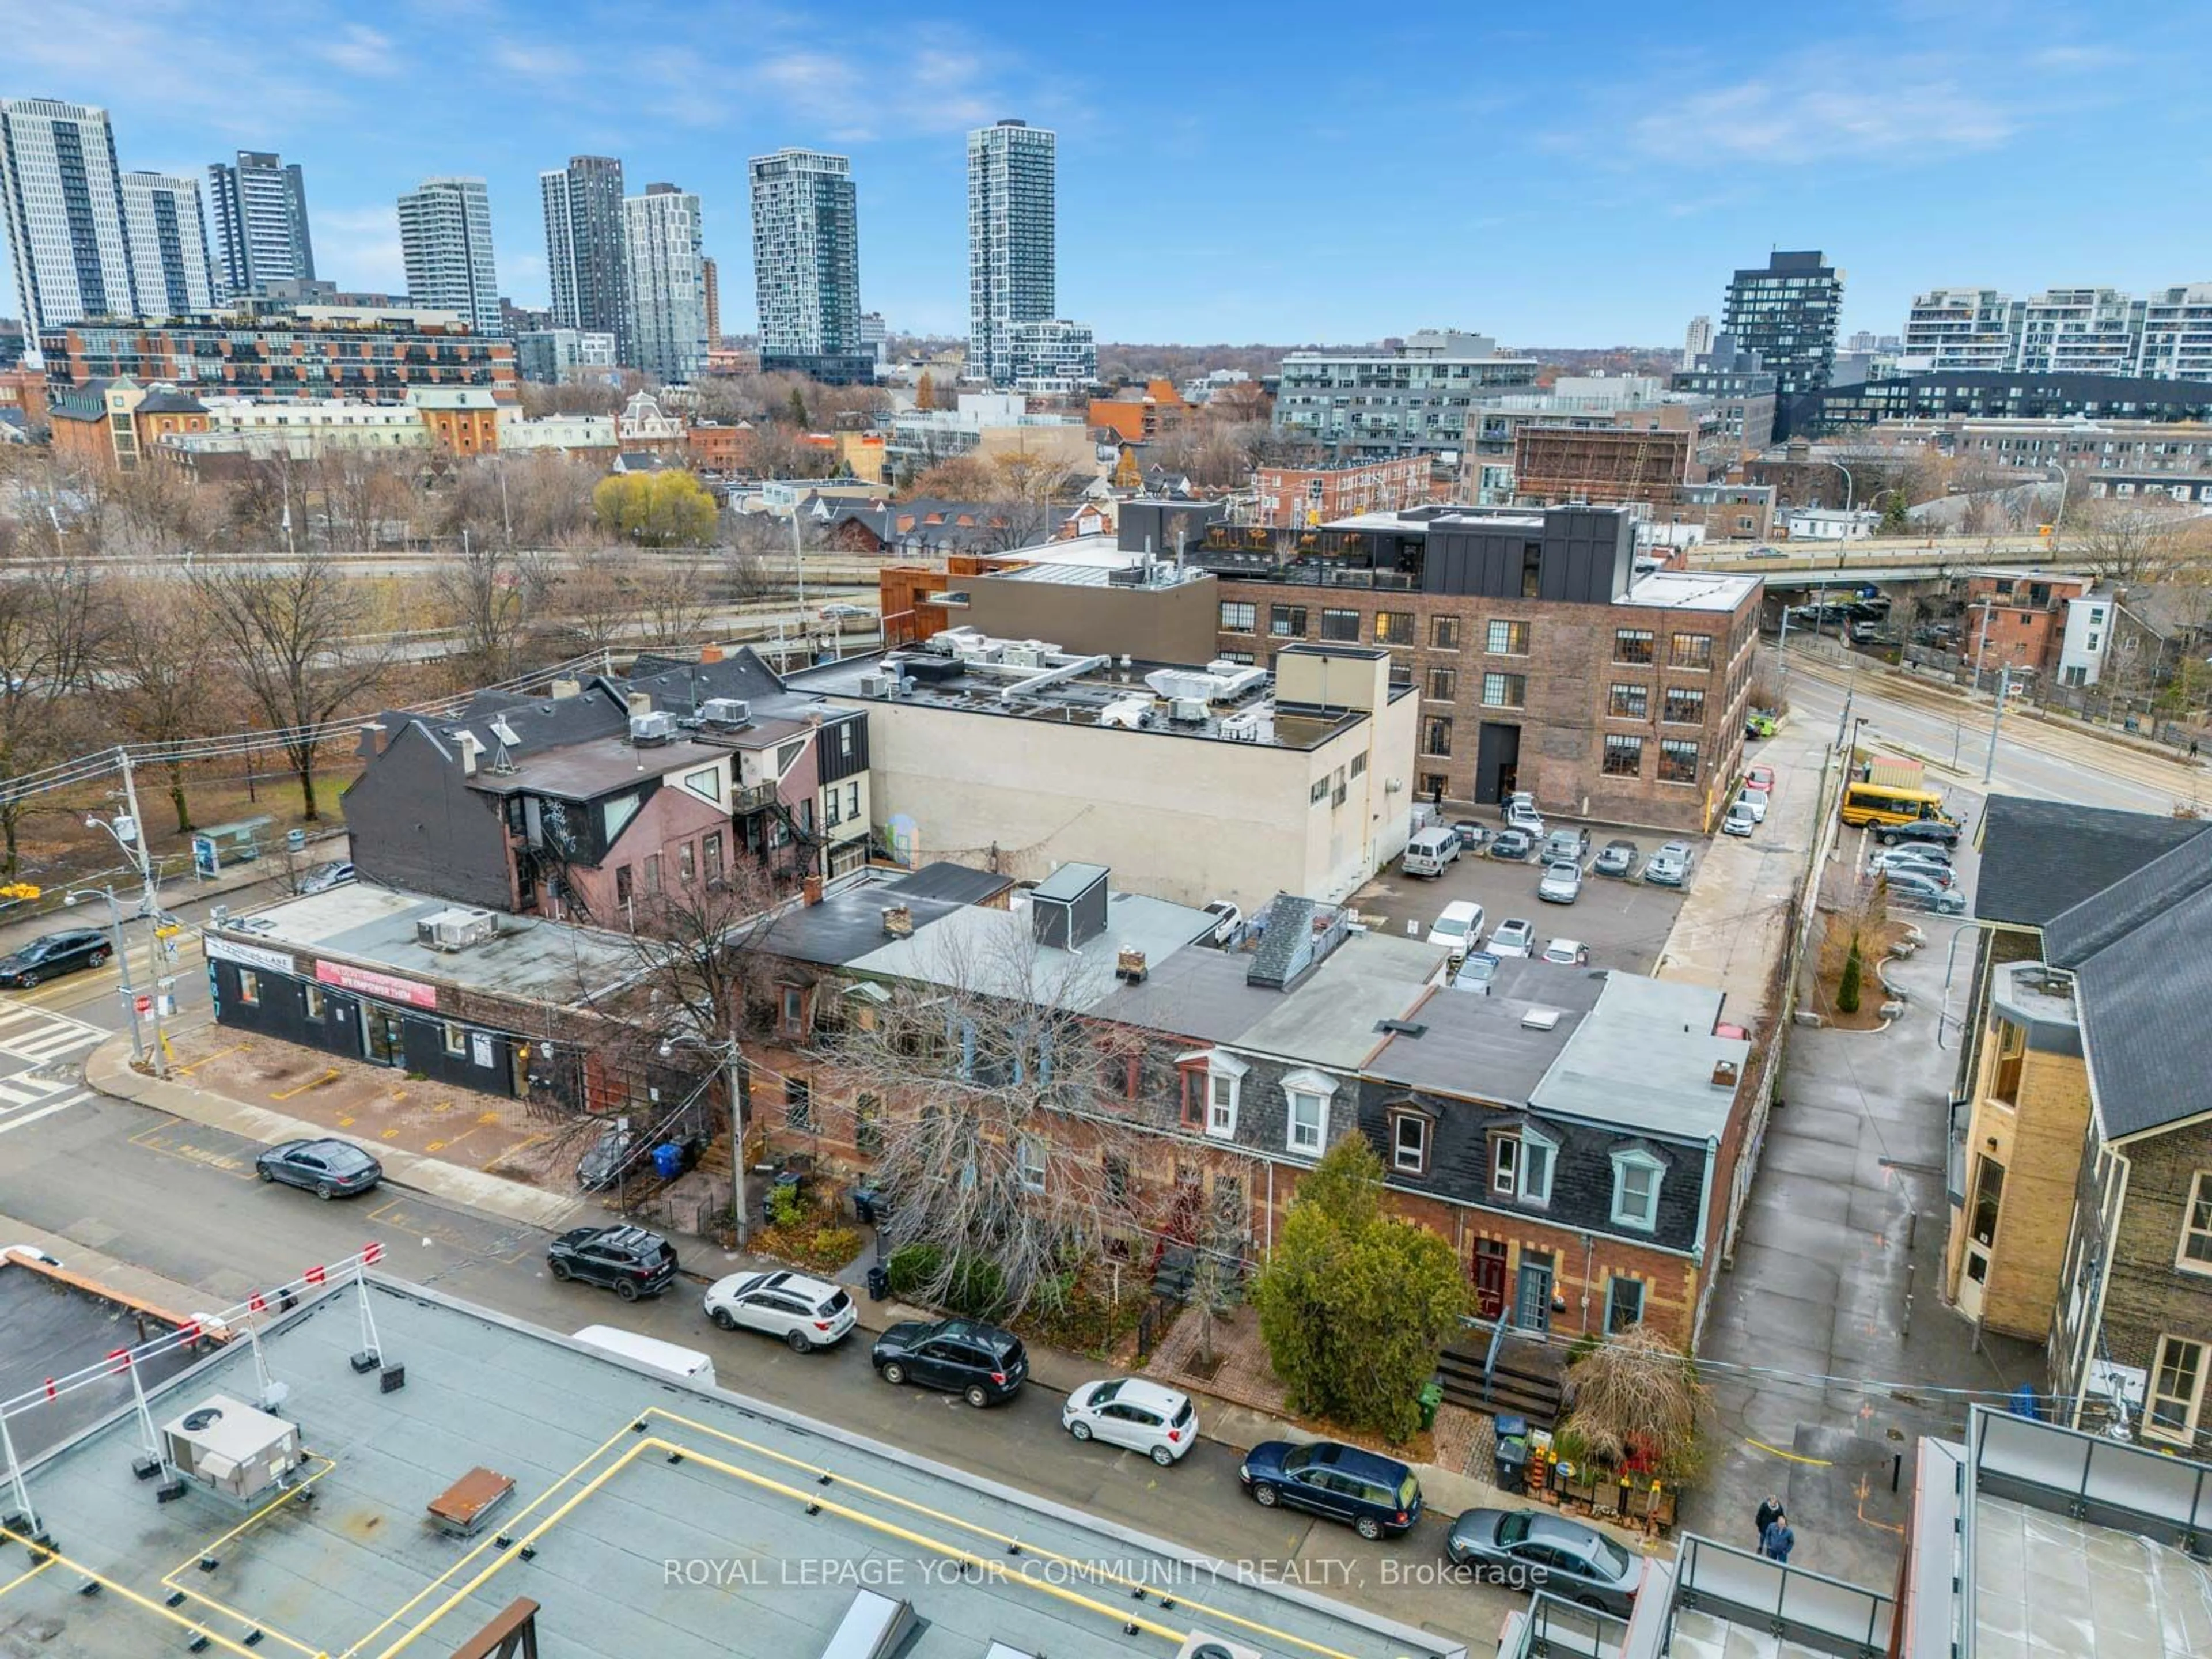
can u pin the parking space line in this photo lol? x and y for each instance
(187, 1071)
(329, 1076)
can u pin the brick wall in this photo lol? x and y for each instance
(2146, 1295)
(2039, 1142)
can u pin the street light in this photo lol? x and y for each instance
(122, 958)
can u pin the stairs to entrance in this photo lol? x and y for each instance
(1526, 1380)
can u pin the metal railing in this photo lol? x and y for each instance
(1552, 1627)
(1793, 1603)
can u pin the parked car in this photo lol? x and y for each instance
(1566, 846)
(1377, 1495)
(1739, 820)
(1477, 971)
(1615, 858)
(1765, 553)
(1539, 1551)
(1525, 817)
(1760, 778)
(1566, 953)
(1932, 858)
(1670, 866)
(617, 1154)
(1471, 835)
(1516, 797)
(981, 1363)
(1514, 938)
(1934, 831)
(1916, 889)
(1888, 865)
(327, 1168)
(1755, 800)
(324, 877)
(1513, 845)
(1562, 884)
(1128, 1411)
(1458, 926)
(627, 1261)
(841, 611)
(52, 955)
(1227, 918)
(805, 1313)
(1431, 852)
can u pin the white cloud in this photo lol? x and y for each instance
(361, 51)
(1784, 123)
(358, 247)
(534, 61)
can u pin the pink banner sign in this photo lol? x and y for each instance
(376, 985)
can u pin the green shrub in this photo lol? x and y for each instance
(1847, 987)
(912, 1265)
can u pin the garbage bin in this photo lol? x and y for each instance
(864, 1205)
(668, 1161)
(2023, 1402)
(879, 1282)
(1510, 1460)
(1432, 1395)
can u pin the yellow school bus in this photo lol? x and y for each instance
(1883, 803)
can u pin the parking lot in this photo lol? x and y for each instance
(1625, 923)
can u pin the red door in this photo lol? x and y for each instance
(1489, 1278)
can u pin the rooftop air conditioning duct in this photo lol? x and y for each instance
(726, 711)
(455, 928)
(1188, 711)
(659, 727)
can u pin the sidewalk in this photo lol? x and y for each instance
(1837, 1274)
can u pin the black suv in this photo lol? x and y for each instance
(1377, 1495)
(52, 955)
(1933, 831)
(979, 1362)
(627, 1261)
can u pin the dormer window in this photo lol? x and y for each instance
(1211, 1081)
(1521, 1164)
(1636, 1177)
(1306, 1096)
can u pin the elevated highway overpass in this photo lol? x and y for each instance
(1806, 565)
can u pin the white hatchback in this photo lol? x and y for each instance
(1127, 1411)
(805, 1313)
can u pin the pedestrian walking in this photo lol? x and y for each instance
(1777, 1540)
(1769, 1512)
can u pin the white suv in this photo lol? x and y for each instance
(806, 1313)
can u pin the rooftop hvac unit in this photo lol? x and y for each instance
(1200, 1646)
(232, 1449)
(726, 711)
(876, 685)
(456, 928)
(659, 727)
(1188, 711)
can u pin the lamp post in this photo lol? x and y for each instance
(128, 991)
(1848, 485)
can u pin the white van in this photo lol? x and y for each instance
(1458, 927)
(1432, 852)
(684, 1364)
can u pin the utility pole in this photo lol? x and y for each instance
(1996, 719)
(798, 568)
(740, 1216)
(1982, 643)
(149, 906)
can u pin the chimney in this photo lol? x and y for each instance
(373, 737)
(898, 921)
(470, 749)
(641, 703)
(1130, 965)
(811, 887)
(1724, 1074)
(710, 653)
(566, 689)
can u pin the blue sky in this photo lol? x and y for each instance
(1580, 174)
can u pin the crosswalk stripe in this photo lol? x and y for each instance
(48, 1046)
(10, 1013)
(25, 1092)
(23, 1119)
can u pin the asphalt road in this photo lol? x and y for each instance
(182, 1200)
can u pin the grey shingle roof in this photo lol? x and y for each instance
(2041, 858)
(2141, 953)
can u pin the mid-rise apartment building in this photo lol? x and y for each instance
(61, 195)
(1967, 394)
(667, 282)
(304, 354)
(445, 238)
(1413, 400)
(1053, 357)
(806, 258)
(1541, 659)
(586, 247)
(167, 234)
(550, 355)
(1012, 227)
(2166, 335)
(260, 204)
(1786, 311)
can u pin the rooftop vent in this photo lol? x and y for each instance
(898, 921)
(1130, 965)
(1540, 1019)
(1405, 1028)
(455, 928)
(1724, 1074)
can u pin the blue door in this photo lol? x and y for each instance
(1532, 1305)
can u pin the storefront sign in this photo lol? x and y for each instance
(250, 955)
(480, 1048)
(376, 985)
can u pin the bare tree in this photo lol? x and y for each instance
(162, 676)
(298, 637)
(492, 597)
(54, 623)
(2124, 540)
(676, 600)
(1000, 1150)
(595, 595)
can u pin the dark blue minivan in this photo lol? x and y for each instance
(1377, 1495)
